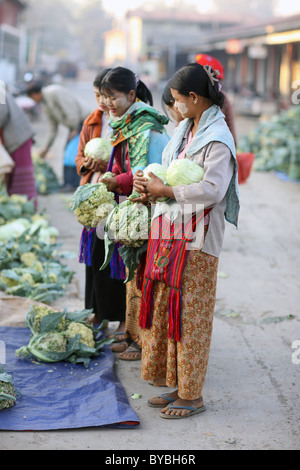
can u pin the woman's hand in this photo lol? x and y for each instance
(95, 165)
(111, 183)
(155, 187)
(151, 189)
(43, 153)
(139, 182)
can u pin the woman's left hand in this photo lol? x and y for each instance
(111, 183)
(155, 187)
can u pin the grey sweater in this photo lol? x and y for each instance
(14, 124)
(62, 107)
(218, 164)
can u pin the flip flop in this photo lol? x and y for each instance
(131, 349)
(118, 347)
(118, 340)
(194, 411)
(160, 405)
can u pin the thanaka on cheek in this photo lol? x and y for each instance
(182, 108)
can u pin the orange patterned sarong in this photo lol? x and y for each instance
(183, 363)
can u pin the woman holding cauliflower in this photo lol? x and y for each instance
(181, 273)
(106, 296)
(138, 138)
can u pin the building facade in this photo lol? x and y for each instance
(157, 42)
(12, 40)
(264, 59)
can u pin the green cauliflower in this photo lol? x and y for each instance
(27, 277)
(7, 391)
(54, 341)
(35, 315)
(7, 282)
(38, 266)
(86, 333)
(28, 258)
(53, 277)
(87, 199)
(46, 347)
(18, 199)
(62, 336)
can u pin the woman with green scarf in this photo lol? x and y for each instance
(138, 138)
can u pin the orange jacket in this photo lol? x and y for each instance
(91, 128)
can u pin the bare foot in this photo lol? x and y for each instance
(182, 411)
(158, 382)
(118, 347)
(119, 333)
(163, 401)
(130, 354)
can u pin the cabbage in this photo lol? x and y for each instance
(98, 149)
(184, 171)
(158, 170)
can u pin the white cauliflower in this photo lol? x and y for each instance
(130, 224)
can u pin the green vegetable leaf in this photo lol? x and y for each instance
(51, 321)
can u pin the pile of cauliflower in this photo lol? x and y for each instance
(91, 203)
(62, 336)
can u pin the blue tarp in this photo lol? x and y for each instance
(62, 395)
(71, 151)
(285, 177)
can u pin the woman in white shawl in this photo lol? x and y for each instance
(177, 333)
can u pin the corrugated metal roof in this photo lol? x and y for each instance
(183, 16)
(259, 29)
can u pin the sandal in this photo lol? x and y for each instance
(119, 337)
(193, 411)
(161, 405)
(119, 347)
(133, 353)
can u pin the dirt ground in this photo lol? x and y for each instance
(252, 386)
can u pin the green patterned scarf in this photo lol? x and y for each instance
(134, 126)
